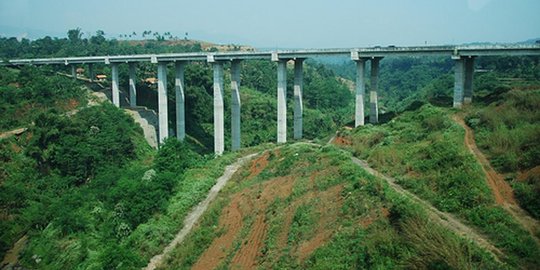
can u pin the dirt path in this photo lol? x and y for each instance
(12, 256)
(445, 219)
(503, 193)
(197, 212)
(7, 134)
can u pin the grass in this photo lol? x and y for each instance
(362, 236)
(425, 151)
(508, 131)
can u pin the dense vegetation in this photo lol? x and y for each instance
(508, 132)
(425, 151)
(26, 93)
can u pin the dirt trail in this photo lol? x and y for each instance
(445, 219)
(198, 210)
(503, 193)
(10, 133)
(12, 256)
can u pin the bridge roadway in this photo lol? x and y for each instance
(463, 73)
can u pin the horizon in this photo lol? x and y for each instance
(301, 24)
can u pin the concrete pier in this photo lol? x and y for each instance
(115, 87)
(360, 92)
(73, 72)
(373, 95)
(162, 102)
(459, 67)
(282, 101)
(468, 84)
(219, 136)
(132, 86)
(298, 106)
(91, 73)
(235, 105)
(180, 101)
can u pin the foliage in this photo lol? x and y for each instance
(425, 151)
(26, 93)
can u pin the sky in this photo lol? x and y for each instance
(283, 23)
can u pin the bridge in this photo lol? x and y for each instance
(463, 57)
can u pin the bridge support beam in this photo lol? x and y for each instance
(236, 103)
(298, 106)
(132, 86)
(73, 72)
(219, 136)
(373, 96)
(180, 101)
(468, 84)
(282, 101)
(360, 92)
(115, 87)
(91, 72)
(162, 102)
(459, 67)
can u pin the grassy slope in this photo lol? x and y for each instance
(508, 131)
(371, 225)
(424, 150)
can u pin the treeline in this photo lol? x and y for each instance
(76, 45)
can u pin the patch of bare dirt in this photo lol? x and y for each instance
(246, 257)
(373, 216)
(342, 141)
(258, 165)
(328, 209)
(231, 221)
(251, 201)
(532, 173)
(502, 191)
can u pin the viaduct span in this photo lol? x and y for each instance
(463, 57)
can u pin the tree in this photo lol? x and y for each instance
(74, 35)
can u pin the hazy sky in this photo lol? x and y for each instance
(284, 23)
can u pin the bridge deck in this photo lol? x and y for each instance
(457, 51)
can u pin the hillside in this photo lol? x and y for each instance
(305, 206)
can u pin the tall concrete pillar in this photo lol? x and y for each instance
(115, 88)
(73, 72)
(282, 101)
(360, 92)
(132, 87)
(468, 84)
(236, 103)
(298, 106)
(458, 81)
(180, 101)
(163, 121)
(219, 135)
(374, 107)
(91, 72)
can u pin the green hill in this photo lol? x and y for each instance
(431, 187)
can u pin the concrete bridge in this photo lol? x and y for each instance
(462, 55)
